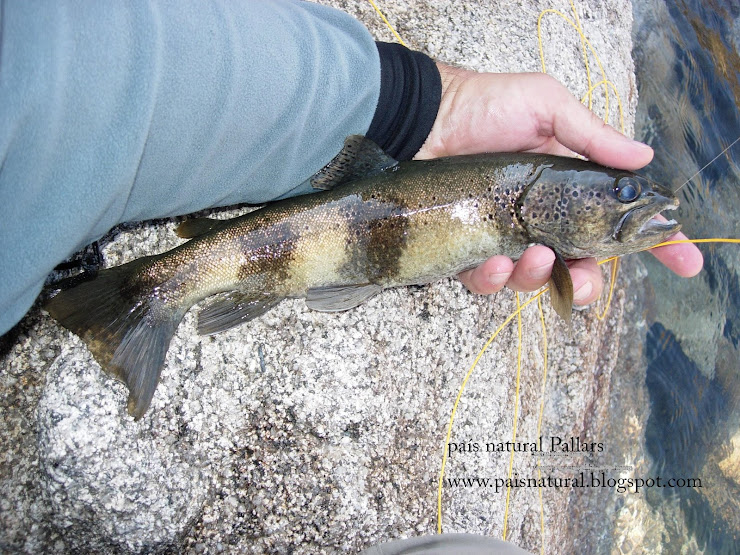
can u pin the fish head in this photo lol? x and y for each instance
(582, 210)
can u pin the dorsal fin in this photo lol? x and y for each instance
(195, 227)
(360, 157)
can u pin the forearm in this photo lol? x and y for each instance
(123, 112)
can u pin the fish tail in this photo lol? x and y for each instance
(126, 327)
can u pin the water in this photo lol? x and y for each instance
(688, 70)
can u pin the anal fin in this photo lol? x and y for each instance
(561, 289)
(340, 297)
(231, 310)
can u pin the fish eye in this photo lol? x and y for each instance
(627, 189)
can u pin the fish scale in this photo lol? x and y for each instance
(378, 224)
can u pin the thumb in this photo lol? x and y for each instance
(579, 129)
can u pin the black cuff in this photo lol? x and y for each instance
(410, 93)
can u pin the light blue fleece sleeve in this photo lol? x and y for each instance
(125, 111)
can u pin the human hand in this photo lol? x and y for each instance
(532, 112)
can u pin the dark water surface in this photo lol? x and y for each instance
(688, 70)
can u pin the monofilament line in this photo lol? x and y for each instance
(708, 164)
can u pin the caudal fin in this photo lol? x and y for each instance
(127, 330)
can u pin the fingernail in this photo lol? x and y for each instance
(499, 280)
(541, 272)
(583, 292)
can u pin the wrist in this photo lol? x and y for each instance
(434, 146)
(410, 93)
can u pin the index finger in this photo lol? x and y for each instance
(685, 260)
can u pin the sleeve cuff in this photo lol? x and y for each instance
(410, 94)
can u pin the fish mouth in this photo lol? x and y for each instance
(655, 225)
(646, 225)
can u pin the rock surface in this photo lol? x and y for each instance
(305, 432)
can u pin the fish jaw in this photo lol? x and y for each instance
(640, 227)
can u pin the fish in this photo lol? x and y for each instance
(375, 223)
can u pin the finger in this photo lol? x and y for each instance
(533, 269)
(489, 277)
(685, 260)
(561, 115)
(588, 282)
(554, 147)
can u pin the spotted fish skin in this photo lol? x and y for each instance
(393, 229)
(389, 224)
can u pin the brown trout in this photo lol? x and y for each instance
(379, 224)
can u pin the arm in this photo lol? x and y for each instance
(124, 113)
(131, 111)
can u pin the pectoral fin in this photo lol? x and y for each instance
(342, 297)
(561, 289)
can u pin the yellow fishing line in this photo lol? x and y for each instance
(604, 81)
(488, 344)
(585, 47)
(681, 241)
(612, 283)
(459, 396)
(585, 56)
(589, 95)
(684, 241)
(539, 420)
(615, 259)
(608, 84)
(377, 9)
(588, 71)
(516, 405)
(607, 260)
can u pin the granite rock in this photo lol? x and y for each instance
(305, 432)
